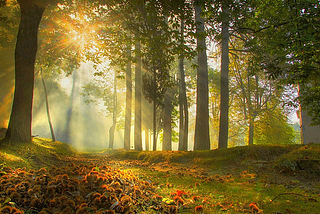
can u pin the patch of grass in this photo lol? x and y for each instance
(36, 154)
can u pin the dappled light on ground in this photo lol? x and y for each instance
(53, 178)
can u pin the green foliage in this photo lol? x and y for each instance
(9, 22)
(285, 38)
(273, 128)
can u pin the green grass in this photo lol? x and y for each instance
(274, 179)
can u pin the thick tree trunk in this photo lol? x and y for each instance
(138, 95)
(19, 128)
(127, 126)
(224, 82)
(167, 129)
(183, 104)
(201, 139)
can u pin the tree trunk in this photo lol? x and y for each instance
(224, 82)
(201, 139)
(154, 120)
(19, 127)
(147, 141)
(48, 109)
(138, 93)
(114, 115)
(69, 117)
(183, 104)
(251, 131)
(127, 126)
(167, 129)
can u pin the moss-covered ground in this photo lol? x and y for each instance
(47, 177)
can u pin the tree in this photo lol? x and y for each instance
(19, 128)
(183, 103)
(53, 137)
(224, 102)
(167, 128)
(201, 140)
(138, 96)
(114, 113)
(285, 42)
(273, 128)
(127, 126)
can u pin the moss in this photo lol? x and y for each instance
(303, 159)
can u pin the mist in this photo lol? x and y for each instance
(82, 125)
(6, 85)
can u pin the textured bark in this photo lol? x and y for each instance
(224, 84)
(183, 104)
(127, 126)
(19, 127)
(201, 139)
(138, 95)
(167, 128)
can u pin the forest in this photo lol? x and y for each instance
(159, 106)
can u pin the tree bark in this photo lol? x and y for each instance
(154, 112)
(251, 131)
(183, 104)
(201, 139)
(224, 82)
(138, 95)
(127, 126)
(167, 128)
(19, 127)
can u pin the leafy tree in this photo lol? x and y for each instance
(273, 128)
(286, 42)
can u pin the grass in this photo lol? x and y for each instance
(255, 179)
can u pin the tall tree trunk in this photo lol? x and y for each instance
(127, 126)
(201, 139)
(154, 111)
(251, 130)
(19, 127)
(114, 114)
(224, 82)
(69, 116)
(147, 139)
(183, 104)
(47, 108)
(138, 95)
(167, 129)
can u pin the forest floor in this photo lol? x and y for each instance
(47, 177)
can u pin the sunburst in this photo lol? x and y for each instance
(71, 32)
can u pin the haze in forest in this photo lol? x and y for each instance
(219, 92)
